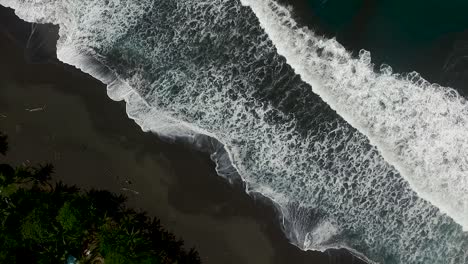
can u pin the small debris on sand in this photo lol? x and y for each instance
(37, 109)
(130, 190)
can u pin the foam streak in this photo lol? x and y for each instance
(188, 67)
(420, 128)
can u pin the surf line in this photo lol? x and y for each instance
(419, 128)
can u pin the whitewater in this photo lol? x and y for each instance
(371, 161)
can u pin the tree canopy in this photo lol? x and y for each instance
(42, 222)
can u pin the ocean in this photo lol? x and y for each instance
(366, 158)
(425, 36)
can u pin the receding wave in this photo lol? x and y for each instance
(208, 67)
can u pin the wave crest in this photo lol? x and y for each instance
(419, 127)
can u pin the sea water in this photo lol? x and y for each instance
(367, 160)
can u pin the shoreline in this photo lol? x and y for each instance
(128, 188)
(256, 218)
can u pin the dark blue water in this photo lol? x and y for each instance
(430, 37)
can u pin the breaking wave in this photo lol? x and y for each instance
(419, 127)
(213, 67)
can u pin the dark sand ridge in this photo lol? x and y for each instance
(93, 144)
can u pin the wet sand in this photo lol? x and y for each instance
(54, 113)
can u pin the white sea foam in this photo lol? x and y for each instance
(206, 67)
(420, 128)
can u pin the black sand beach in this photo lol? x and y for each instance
(54, 113)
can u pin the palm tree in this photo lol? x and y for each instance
(43, 223)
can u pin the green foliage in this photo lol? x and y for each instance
(41, 223)
(36, 227)
(124, 242)
(7, 190)
(25, 174)
(69, 217)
